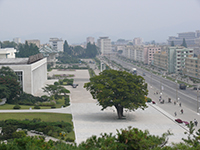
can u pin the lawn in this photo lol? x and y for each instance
(47, 117)
(59, 103)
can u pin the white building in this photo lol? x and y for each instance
(17, 40)
(56, 44)
(31, 72)
(90, 39)
(7, 53)
(137, 41)
(104, 44)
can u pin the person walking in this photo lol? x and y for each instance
(175, 113)
(181, 111)
(195, 122)
(174, 102)
(180, 104)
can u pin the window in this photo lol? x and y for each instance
(20, 77)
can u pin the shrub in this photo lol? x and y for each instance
(16, 107)
(53, 107)
(0, 100)
(69, 140)
(149, 100)
(36, 107)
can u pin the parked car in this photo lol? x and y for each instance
(74, 85)
(195, 87)
(182, 86)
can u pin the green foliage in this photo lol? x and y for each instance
(184, 43)
(16, 107)
(91, 72)
(8, 44)
(66, 81)
(53, 107)
(29, 99)
(118, 88)
(36, 107)
(149, 99)
(18, 134)
(9, 86)
(8, 131)
(26, 50)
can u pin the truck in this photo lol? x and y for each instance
(182, 86)
(134, 71)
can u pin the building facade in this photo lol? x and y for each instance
(192, 67)
(176, 58)
(31, 72)
(91, 40)
(149, 52)
(137, 41)
(160, 60)
(104, 45)
(7, 53)
(56, 44)
(17, 40)
(36, 42)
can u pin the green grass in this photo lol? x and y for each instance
(47, 117)
(59, 103)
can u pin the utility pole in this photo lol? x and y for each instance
(176, 90)
(197, 99)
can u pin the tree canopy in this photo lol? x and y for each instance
(119, 89)
(8, 44)
(26, 50)
(9, 86)
(184, 43)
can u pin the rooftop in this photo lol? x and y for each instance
(13, 61)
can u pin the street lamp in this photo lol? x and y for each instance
(161, 83)
(176, 91)
(197, 99)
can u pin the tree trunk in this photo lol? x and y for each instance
(119, 111)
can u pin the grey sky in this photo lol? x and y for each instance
(74, 20)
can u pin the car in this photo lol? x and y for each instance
(182, 86)
(74, 85)
(195, 88)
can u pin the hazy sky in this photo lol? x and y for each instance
(74, 20)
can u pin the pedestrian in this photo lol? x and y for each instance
(195, 122)
(181, 111)
(174, 102)
(180, 104)
(175, 113)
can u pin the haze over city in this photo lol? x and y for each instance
(76, 20)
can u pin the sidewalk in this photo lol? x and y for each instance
(188, 114)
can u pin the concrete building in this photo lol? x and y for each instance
(160, 60)
(104, 44)
(56, 44)
(7, 53)
(139, 54)
(189, 38)
(17, 40)
(31, 72)
(36, 42)
(127, 51)
(176, 58)
(192, 67)
(91, 40)
(50, 54)
(137, 41)
(149, 52)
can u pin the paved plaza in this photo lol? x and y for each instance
(89, 120)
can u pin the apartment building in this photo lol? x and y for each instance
(104, 44)
(137, 41)
(160, 60)
(17, 40)
(56, 44)
(192, 67)
(176, 58)
(149, 52)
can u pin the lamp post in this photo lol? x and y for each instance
(176, 91)
(197, 99)
(161, 83)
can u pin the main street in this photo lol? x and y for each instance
(187, 97)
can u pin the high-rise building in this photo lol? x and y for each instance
(90, 39)
(56, 44)
(137, 41)
(190, 38)
(104, 44)
(36, 42)
(17, 40)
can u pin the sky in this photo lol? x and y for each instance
(75, 20)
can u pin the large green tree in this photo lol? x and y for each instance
(9, 86)
(91, 50)
(8, 44)
(119, 89)
(184, 43)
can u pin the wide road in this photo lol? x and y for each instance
(187, 97)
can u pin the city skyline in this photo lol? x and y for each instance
(74, 21)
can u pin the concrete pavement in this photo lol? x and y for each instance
(89, 120)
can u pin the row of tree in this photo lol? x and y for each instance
(184, 44)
